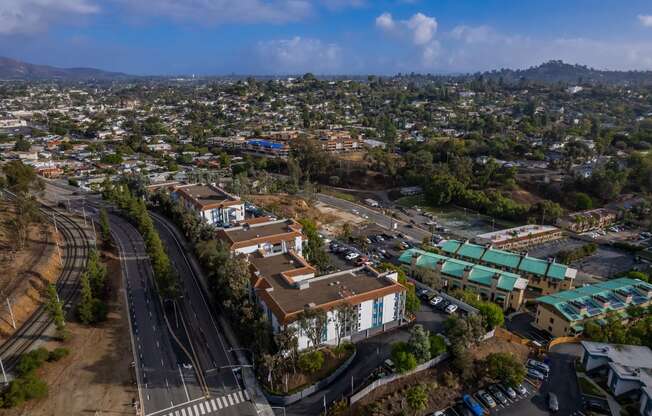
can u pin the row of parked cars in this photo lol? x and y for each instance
(437, 301)
(501, 394)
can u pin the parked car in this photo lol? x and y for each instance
(520, 389)
(508, 391)
(553, 403)
(473, 405)
(423, 293)
(495, 391)
(539, 366)
(389, 365)
(486, 399)
(437, 299)
(443, 304)
(451, 308)
(532, 373)
(351, 256)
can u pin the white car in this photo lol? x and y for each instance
(434, 301)
(352, 256)
(451, 308)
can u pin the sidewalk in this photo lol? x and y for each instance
(257, 397)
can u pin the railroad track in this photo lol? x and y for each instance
(75, 252)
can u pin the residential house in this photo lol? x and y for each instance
(520, 237)
(212, 204)
(278, 236)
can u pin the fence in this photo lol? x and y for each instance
(511, 337)
(295, 397)
(563, 340)
(393, 377)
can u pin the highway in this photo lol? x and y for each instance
(210, 347)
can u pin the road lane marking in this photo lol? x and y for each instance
(246, 394)
(183, 412)
(230, 399)
(213, 405)
(201, 408)
(219, 403)
(242, 399)
(195, 409)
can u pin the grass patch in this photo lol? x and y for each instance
(587, 387)
(410, 201)
(340, 195)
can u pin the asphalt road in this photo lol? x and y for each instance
(415, 233)
(165, 374)
(205, 336)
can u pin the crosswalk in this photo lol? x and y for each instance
(211, 406)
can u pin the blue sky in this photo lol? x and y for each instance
(325, 36)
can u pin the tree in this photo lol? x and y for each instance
(437, 345)
(583, 201)
(505, 368)
(314, 250)
(105, 228)
(287, 345)
(26, 214)
(403, 359)
(417, 398)
(55, 310)
(345, 317)
(96, 273)
(20, 178)
(412, 303)
(312, 323)
(419, 343)
(311, 362)
(85, 306)
(430, 278)
(492, 315)
(22, 145)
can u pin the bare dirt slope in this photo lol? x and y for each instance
(95, 377)
(24, 273)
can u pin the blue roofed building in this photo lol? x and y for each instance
(565, 313)
(502, 287)
(269, 148)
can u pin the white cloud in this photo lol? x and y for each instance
(423, 28)
(27, 16)
(298, 54)
(386, 22)
(223, 11)
(645, 19)
(419, 27)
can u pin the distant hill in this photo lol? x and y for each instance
(558, 71)
(13, 69)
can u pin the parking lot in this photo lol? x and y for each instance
(605, 262)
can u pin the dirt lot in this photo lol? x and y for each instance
(25, 273)
(96, 375)
(329, 219)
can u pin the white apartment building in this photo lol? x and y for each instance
(212, 204)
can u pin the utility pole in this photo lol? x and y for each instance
(84, 213)
(3, 371)
(56, 241)
(11, 312)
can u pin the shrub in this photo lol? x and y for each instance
(506, 368)
(403, 359)
(437, 345)
(58, 353)
(32, 360)
(24, 388)
(343, 349)
(311, 362)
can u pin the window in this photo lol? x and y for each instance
(552, 320)
(377, 313)
(549, 329)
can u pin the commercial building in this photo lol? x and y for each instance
(270, 148)
(628, 369)
(339, 142)
(270, 237)
(565, 313)
(499, 286)
(583, 221)
(543, 276)
(212, 204)
(520, 237)
(285, 285)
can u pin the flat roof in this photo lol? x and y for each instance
(501, 236)
(287, 300)
(621, 354)
(207, 196)
(252, 233)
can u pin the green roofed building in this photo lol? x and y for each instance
(502, 287)
(543, 276)
(565, 313)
